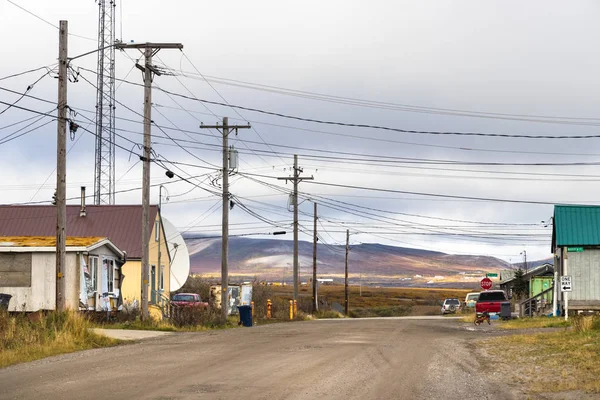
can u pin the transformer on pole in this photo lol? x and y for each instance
(104, 169)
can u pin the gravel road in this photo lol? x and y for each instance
(326, 359)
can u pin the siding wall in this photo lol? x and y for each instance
(584, 268)
(71, 277)
(132, 284)
(41, 295)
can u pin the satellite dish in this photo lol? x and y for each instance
(180, 257)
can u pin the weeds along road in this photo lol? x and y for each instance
(326, 359)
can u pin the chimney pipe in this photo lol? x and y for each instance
(82, 212)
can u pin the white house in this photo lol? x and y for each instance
(28, 272)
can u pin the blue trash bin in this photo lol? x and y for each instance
(245, 315)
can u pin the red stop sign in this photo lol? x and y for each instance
(486, 283)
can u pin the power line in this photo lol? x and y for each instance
(393, 106)
(223, 98)
(438, 195)
(22, 95)
(394, 141)
(370, 126)
(46, 21)
(6, 139)
(46, 67)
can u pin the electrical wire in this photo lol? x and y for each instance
(388, 105)
(223, 98)
(46, 21)
(371, 126)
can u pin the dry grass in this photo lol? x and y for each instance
(370, 297)
(187, 323)
(534, 323)
(24, 338)
(567, 360)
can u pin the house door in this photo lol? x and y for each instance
(153, 285)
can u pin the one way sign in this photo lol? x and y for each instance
(565, 284)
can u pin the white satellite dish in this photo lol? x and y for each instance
(180, 256)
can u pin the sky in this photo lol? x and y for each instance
(497, 67)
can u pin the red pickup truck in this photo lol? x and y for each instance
(188, 300)
(490, 301)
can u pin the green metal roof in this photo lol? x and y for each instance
(576, 226)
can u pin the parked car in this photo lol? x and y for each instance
(188, 300)
(450, 306)
(471, 299)
(491, 301)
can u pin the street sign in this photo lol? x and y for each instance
(486, 283)
(574, 249)
(565, 284)
(491, 275)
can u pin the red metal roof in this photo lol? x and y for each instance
(121, 224)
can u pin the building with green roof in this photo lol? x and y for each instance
(576, 245)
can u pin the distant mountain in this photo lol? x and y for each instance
(273, 259)
(533, 264)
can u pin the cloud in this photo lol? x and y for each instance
(483, 57)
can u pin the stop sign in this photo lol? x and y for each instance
(486, 283)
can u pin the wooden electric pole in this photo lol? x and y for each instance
(61, 167)
(225, 219)
(314, 279)
(295, 180)
(346, 273)
(150, 49)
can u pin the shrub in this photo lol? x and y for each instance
(260, 295)
(328, 314)
(196, 284)
(195, 316)
(397, 311)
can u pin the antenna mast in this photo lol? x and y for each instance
(104, 169)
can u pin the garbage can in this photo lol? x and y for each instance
(245, 315)
(4, 300)
(505, 311)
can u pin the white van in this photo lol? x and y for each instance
(471, 299)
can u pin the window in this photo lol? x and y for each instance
(184, 297)
(161, 281)
(156, 231)
(116, 277)
(94, 273)
(111, 275)
(492, 296)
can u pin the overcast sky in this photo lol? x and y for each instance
(509, 67)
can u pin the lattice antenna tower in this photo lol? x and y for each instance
(104, 170)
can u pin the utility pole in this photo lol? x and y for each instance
(346, 272)
(296, 179)
(61, 166)
(150, 49)
(225, 219)
(160, 231)
(565, 254)
(314, 280)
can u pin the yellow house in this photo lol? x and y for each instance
(121, 224)
(159, 271)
